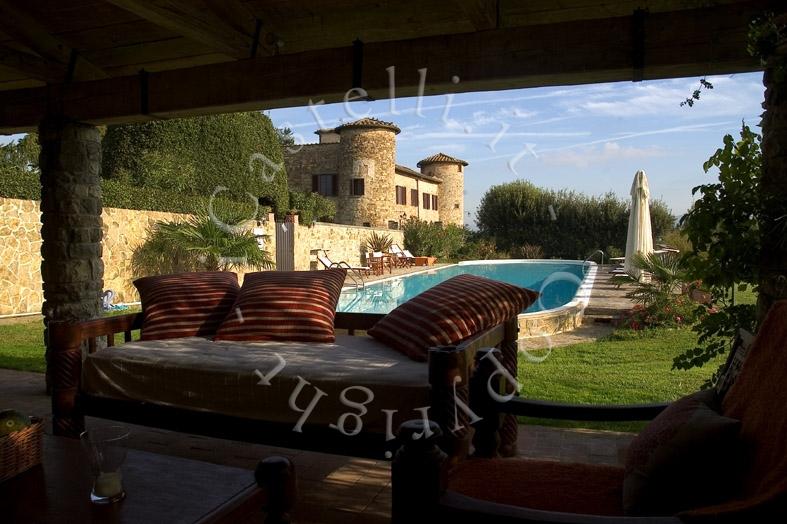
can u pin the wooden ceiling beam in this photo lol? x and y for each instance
(32, 66)
(26, 30)
(677, 44)
(224, 28)
(483, 14)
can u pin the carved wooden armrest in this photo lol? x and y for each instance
(545, 409)
(456, 508)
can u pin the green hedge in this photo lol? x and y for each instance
(26, 186)
(198, 155)
(564, 223)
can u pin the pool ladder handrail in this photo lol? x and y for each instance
(587, 259)
(352, 273)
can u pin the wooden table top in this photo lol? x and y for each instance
(159, 488)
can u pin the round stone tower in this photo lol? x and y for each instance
(451, 192)
(365, 189)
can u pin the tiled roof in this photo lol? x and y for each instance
(441, 158)
(370, 123)
(402, 170)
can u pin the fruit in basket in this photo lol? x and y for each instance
(11, 421)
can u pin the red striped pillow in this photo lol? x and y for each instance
(285, 305)
(185, 304)
(450, 312)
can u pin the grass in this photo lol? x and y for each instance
(23, 346)
(23, 343)
(629, 367)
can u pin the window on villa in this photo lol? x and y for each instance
(456, 206)
(393, 224)
(324, 185)
(414, 197)
(460, 168)
(401, 195)
(434, 201)
(356, 187)
(427, 201)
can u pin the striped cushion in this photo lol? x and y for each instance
(185, 304)
(285, 305)
(450, 312)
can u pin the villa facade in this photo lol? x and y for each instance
(355, 165)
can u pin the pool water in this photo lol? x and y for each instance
(557, 281)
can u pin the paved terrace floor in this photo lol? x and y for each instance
(338, 489)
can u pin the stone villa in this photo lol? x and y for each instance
(355, 165)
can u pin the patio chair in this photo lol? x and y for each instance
(376, 260)
(402, 257)
(750, 474)
(326, 261)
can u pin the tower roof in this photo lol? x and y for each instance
(440, 158)
(369, 123)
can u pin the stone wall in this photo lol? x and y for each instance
(369, 154)
(20, 249)
(307, 160)
(422, 186)
(451, 196)
(343, 242)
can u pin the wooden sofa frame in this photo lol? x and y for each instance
(449, 371)
(420, 467)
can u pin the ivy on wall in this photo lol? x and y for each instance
(173, 165)
(195, 156)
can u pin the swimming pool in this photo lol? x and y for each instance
(560, 282)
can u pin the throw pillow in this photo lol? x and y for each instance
(285, 305)
(680, 460)
(450, 312)
(185, 304)
(738, 353)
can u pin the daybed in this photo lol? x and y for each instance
(218, 388)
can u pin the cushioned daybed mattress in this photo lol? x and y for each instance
(199, 374)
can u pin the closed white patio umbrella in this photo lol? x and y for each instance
(640, 234)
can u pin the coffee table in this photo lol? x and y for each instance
(159, 488)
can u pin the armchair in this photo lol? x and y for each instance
(486, 488)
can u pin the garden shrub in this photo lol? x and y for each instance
(564, 223)
(311, 206)
(434, 239)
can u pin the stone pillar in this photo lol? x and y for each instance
(72, 269)
(773, 185)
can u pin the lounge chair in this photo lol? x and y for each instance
(326, 261)
(403, 259)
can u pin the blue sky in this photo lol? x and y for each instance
(588, 138)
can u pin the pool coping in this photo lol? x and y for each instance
(543, 323)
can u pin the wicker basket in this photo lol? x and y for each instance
(21, 450)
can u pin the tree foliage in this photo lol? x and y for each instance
(564, 223)
(444, 241)
(724, 229)
(723, 223)
(239, 152)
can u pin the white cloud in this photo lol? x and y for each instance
(663, 98)
(599, 154)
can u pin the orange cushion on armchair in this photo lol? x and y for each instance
(540, 484)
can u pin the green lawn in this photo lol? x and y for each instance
(22, 346)
(626, 368)
(22, 343)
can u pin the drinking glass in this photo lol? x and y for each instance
(106, 453)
